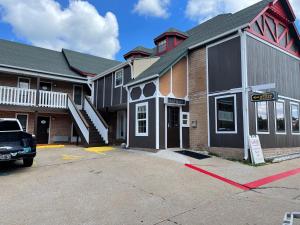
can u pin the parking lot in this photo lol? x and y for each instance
(106, 186)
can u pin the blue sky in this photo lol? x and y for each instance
(136, 27)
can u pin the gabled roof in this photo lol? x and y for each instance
(204, 32)
(141, 49)
(88, 64)
(28, 57)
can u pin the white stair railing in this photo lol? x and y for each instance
(79, 120)
(53, 99)
(96, 119)
(17, 96)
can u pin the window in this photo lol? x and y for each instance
(23, 119)
(225, 113)
(24, 83)
(162, 46)
(295, 118)
(119, 78)
(280, 117)
(185, 119)
(142, 119)
(6, 125)
(262, 117)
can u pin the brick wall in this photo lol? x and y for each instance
(7, 114)
(198, 99)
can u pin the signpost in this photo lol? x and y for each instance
(257, 155)
(262, 97)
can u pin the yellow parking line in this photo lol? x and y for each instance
(49, 146)
(71, 157)
(99, 150)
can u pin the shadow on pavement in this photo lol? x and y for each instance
(7, 168)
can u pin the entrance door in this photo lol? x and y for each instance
(43, 130)
(121, 125)
(173, 131)
(77, 96)
(45, 86)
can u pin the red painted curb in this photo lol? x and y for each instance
(231, 182)
(270, 179)
(251, 185)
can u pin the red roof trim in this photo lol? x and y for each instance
(136, 52)
(169, 34)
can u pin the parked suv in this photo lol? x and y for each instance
(16, 144)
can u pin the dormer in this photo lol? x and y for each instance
(138, 52)
(169, 40)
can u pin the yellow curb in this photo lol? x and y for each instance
(49, 146)
(71, 157)
(99, 150)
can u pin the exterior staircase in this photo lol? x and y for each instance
(89, 124)
(95, 137)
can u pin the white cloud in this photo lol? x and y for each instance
(201, 10)
(79, 27)
(155, 8)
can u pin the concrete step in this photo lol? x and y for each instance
(285, 157)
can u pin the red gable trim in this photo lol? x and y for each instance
(83, 73)
(275, 17)
(169, 34)
(136, 52)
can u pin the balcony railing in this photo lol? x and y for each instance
(28, 97)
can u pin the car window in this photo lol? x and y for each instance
(9, 126)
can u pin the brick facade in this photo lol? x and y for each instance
(198, 99)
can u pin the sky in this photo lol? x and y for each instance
(108, 28)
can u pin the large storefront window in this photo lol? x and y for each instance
(141, 119)
(262, 117)
(225, 114)
(295, 118)
(280, 116)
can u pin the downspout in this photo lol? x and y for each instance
(245, 94)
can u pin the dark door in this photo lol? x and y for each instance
(45, 86)
(173, 127)
(43, 130)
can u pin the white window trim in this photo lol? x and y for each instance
(188, 119)
(47, 82)
(25, 78)
(275, 117)
(235, 115)
(121, 70)
(136, 120)
(291, 117)
(262, 132)
(24, 114)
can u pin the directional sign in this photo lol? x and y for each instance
(267, 96)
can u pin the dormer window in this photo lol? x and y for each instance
(162, 45)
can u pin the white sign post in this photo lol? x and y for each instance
(257, 155)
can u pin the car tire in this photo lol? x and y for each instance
(27, 162)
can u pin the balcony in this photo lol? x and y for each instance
(33, 98)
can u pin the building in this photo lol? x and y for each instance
(194, 87)
(191, 90)
(47, 91)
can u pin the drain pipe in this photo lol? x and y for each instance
(245, 94)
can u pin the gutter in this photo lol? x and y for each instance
(141, 80)
(40, 71)
(219, 36)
